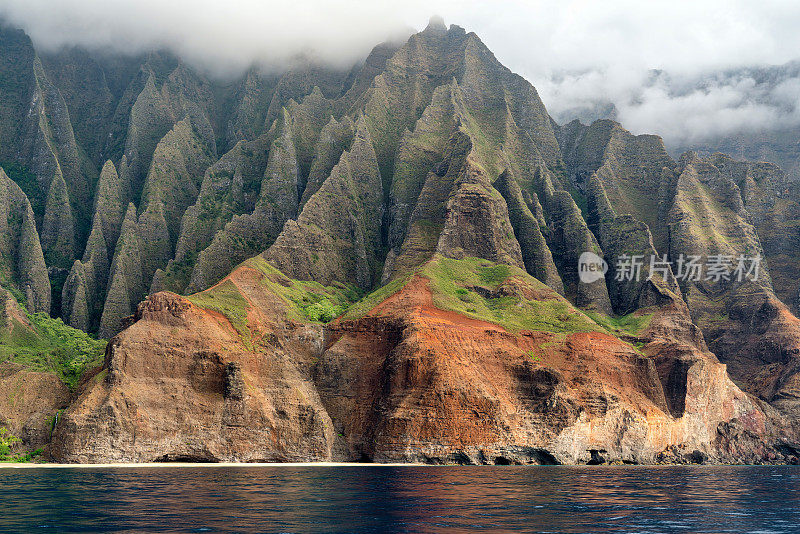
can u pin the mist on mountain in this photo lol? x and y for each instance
(674, 69)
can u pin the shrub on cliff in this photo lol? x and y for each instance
(324, 311)
(7, 442)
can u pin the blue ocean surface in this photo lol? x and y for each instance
(289, 499)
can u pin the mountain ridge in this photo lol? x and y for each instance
(278, 203)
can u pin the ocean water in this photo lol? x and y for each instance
(402, 499)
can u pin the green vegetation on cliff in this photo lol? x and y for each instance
(225, 299)
(7, 443)
(632, 324)
(308, 301)
(363, 306)
(477, 288)
(501, 294)
(48, 345)
(305, 301)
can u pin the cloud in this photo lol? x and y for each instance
(702, 113)
(658, 66)
(684, 70)
(683, 109)
(223, 36)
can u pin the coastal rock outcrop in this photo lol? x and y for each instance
(410, 379)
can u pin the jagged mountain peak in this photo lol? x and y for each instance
(334, 221)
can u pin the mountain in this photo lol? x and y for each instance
(383, 263)
(746, 112)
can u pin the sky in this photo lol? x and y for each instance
(669, 67)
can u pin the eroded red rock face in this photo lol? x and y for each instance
(406, 382)
(180, 383)
(28, 403)
(429, 385)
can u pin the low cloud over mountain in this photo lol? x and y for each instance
(587, 59)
